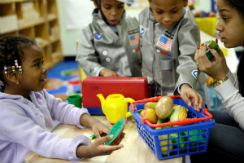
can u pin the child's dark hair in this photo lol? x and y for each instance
(238, 4)
(11, 49)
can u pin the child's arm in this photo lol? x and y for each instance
(189, 41)
(23, 128)
(69, 114)
(87, 57)
(62, 111)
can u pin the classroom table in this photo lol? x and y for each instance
(135, 149)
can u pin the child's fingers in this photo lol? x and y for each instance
(106, 130)
(115, 147)
(198, 102)
(187, 100)
(108, 149)
(104, 139)
(194, 102)
(96, 133)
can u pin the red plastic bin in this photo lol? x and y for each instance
(179, 138)
(133, 87)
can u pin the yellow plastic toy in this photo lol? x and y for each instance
(115, 106)
(207, 24)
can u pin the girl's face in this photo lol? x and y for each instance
(167, 12)
(112, 10)
(230, 25)
(34, 75)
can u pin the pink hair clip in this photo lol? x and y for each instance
(17, 66)
(16, 63)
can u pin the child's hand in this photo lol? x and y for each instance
(191, 96)
(97, 127)
(107, 72)
(97, 148)
(216, 68)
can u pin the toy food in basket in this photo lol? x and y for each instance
(169, 137)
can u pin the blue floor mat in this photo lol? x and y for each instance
(66, 72)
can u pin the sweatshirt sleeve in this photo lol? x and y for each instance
(189, 40)
(232, 100)
(87, 57)
(64, 112)
(21, 129)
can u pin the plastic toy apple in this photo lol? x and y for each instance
(150, 114)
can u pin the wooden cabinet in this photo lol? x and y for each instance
(37, 19)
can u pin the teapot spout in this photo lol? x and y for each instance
(102, 100)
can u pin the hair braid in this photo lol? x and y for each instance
(11, 50)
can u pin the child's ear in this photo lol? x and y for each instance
(12, 78)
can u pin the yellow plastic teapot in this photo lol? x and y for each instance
(115, 106)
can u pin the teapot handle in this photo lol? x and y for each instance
(129, 100)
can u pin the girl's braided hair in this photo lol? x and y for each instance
(11, 49)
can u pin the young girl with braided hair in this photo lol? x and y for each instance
(27, 111)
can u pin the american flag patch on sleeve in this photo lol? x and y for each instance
(164, 43)
(134, 39)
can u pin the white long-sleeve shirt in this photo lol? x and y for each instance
(25, 126)
(232, 100)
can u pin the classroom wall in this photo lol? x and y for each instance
(70, 33)
(75, 14)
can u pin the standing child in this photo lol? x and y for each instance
(109, 46)
(169, 39)
(226, 140)
(27, 111)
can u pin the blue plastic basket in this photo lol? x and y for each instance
(174, 141)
